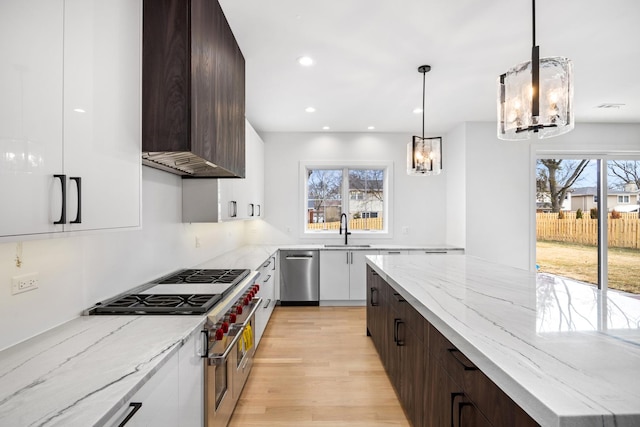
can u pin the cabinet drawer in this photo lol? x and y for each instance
(453, 361)
(494, 404)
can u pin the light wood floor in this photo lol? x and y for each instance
(315, 366)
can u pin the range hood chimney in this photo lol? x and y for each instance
(193, 90)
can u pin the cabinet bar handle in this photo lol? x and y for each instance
(267, 279)
(268, 302)
(399, 342)
(63, 212)
(205, 343)
(259, 210)
(252, 206)
(374, 303)
(393, 252)
(399, 297)
(266, 264)
(136, 407)
(453, 352)
(453, 401)
(78, 181)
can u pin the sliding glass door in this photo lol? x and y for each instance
(581, 203)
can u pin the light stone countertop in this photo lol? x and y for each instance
(566, 355)
(80, 373)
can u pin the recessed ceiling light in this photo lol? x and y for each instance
(326, 127)
(417, 110)
(371, 127)
(305, 61)
(310, 109)
(79, 110)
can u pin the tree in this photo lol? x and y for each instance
(323, 185)
(626, 171)
(556, 176)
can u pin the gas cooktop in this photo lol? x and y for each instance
(188, 291)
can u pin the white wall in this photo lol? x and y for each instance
(76, 272)
(500, 184)
(454, 160)
(419, 202)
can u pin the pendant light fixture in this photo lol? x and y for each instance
(535, 98)
(424, 155)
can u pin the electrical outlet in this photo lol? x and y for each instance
(24, 283)
(405, 230)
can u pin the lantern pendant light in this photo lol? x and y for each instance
(424, 155)
(535, 98)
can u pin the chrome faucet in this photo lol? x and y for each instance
(346, 227)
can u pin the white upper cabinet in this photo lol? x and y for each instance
(102, 117)
(31, 37)
(70, 106)
(228, 199)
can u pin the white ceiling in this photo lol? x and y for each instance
(367, 53)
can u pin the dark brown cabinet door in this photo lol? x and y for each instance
(499, 408)
(193, 88)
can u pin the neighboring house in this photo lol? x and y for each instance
(543, 203)
(626, 200)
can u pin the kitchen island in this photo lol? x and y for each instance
(564, 353)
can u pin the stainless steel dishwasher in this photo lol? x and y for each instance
(299, 277)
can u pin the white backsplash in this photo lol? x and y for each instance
(76, 272)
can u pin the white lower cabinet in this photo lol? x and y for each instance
(191, 383)
(173, 396)
(267, 281)
(158, 400)
(343, 275)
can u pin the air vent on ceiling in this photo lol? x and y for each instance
(610, 106)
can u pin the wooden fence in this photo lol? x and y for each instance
(354, 224)
(624, 232)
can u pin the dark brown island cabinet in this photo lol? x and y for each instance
(435, 383)
(193, 90)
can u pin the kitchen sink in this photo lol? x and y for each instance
(347, 246)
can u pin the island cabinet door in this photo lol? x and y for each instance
(499, 409)
(446, 403)
(375, 309)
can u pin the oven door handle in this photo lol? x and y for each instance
(258, 303)
(224, 355)
(231, 346)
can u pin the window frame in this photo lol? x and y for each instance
(387, 167)
(537, 152)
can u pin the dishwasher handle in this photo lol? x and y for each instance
(300, 257)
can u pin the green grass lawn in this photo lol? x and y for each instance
(581, 263)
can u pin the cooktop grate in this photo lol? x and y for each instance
(159, 304)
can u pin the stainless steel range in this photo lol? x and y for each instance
(189, 291)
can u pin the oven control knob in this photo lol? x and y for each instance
(239, 309)
(219, 334)
(256, 287)
(225, 327)
(246, 300)
(251, 295)
(232, 318)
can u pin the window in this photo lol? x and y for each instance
(360, 192)
(623, 199)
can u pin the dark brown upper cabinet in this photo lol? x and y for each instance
(193, 90)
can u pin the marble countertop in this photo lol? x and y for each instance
(567, 355)
(77, 374)
(80, 373)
